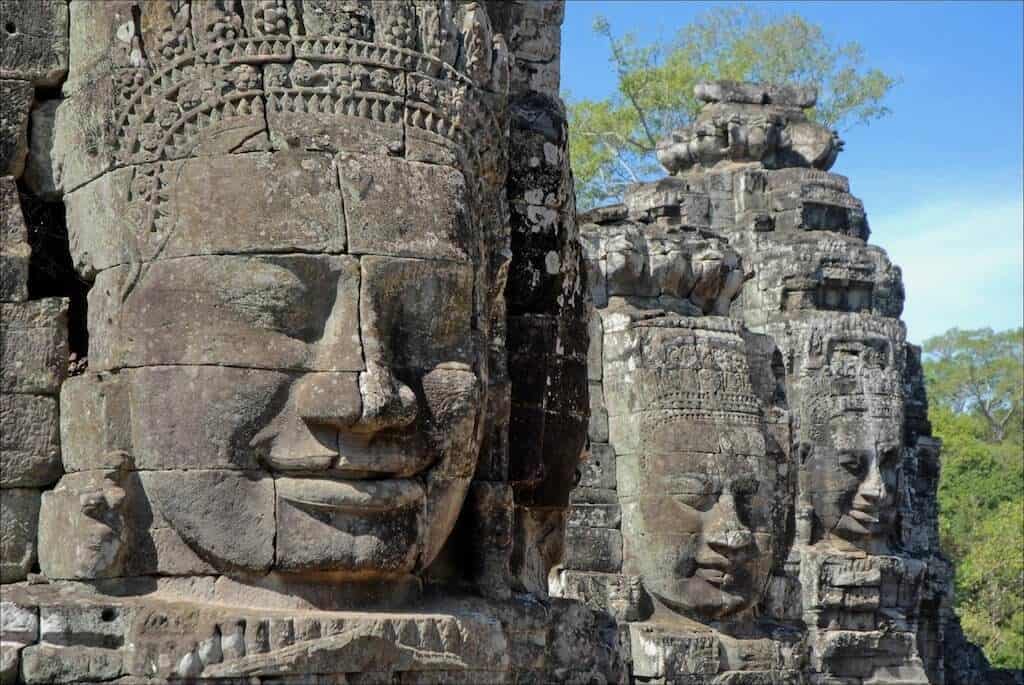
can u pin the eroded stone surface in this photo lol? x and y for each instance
(34, 41)
(15, 104)
(29, 441)
(19, 520)
(295, 220)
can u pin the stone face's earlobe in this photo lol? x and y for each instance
(83, 524)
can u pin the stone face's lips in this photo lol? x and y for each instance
(864, 517)
(714, 576)
(354, 496)
(347, 454)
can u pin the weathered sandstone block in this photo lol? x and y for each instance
(33, 346)
(29, 441)
(19, 519)
(34, 43)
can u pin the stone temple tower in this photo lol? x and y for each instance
(759, 500)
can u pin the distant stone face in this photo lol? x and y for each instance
(851, 434)
(700, 521)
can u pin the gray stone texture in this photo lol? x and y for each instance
(15, 105)
(29, 441)
(34, 41)
(19, 519)
(314, 234)
(14, 248)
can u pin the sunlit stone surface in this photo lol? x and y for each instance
(301, 350)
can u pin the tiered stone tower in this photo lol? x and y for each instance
(759, 500)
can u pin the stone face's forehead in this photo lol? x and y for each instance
(686, 469)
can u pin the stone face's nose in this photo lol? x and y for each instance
(328, 399)
(726, 534)
(872, 492)
(387, 403)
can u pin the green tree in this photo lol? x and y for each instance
(979, 372)
(990, 580)
(975, 389)
(613, 140)
(977, 478)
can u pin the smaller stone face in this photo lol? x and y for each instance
(700, 511)
(851, 439)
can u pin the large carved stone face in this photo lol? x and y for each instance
(698, 484)
(295, 273)
(327, 383)
(852, 444)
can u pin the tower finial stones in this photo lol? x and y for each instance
(784, 95)
(751, 124)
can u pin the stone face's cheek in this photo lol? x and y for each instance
(664, 513)
(831, 486)
(226, 517)
(202, 417)
(399, 304)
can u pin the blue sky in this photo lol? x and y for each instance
(941, 177)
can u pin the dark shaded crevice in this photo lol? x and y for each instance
(51, 271)
(137, 22)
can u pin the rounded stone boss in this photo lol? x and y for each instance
(297, 238)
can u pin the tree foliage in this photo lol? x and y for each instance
(979, 372)
(613, 140)
(975, 387)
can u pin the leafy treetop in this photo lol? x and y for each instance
(613, 140)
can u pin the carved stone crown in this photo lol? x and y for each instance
(391, 64)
